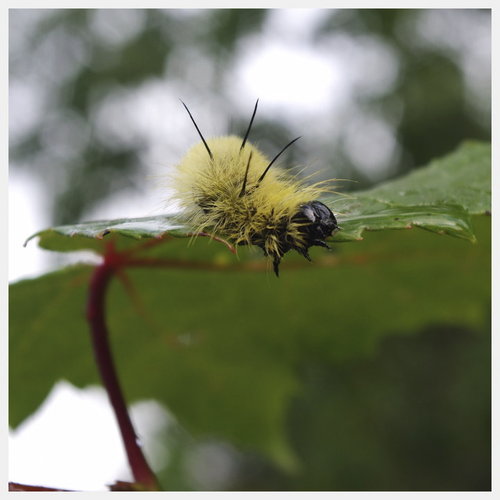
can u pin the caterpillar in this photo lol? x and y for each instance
(226, 185)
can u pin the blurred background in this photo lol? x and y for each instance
(95, 121)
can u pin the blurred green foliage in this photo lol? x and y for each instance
(414, 417)
(431, 89)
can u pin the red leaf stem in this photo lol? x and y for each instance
(100, 341)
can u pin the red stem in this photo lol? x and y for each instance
(100, 341)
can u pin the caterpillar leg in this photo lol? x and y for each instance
(304, 253)
(276, 265)
(321, 243)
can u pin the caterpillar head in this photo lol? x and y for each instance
(314, 222)
(319, 222)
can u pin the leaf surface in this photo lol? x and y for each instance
(440, 197)
(220, 341)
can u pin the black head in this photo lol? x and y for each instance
(317, 223)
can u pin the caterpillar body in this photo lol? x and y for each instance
(227, 186)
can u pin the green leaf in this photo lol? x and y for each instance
(439, 198)
(221, 349)
(221, 345)
(91, 235)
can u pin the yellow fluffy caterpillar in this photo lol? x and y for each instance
(226, 186)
